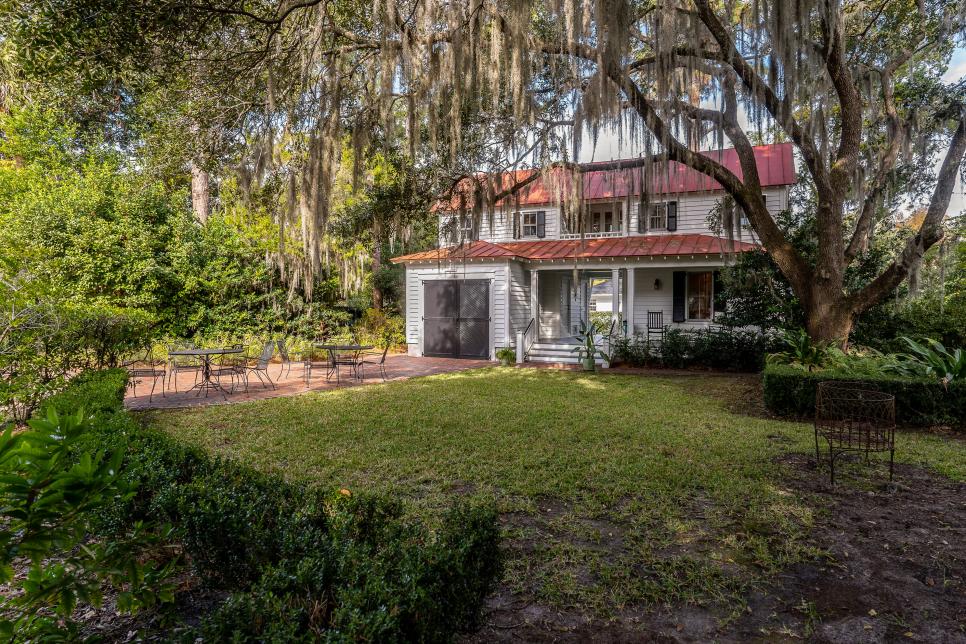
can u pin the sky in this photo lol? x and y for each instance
(609, 147)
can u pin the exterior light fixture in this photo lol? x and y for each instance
(657, 284)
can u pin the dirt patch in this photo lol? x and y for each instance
(893, 570)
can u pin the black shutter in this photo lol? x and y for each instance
(516, 225)
(541, 224)
(672, 215)
(720, 302)
(677, 298)
(642, 217)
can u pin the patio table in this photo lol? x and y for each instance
(334, 349)
(206, 384)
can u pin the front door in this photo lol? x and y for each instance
(456, 318)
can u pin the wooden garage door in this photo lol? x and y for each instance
(456, 318)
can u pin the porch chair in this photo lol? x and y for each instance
(260, 368)
(182, 364)
(145, 367)
(655, 326)
(375, 359)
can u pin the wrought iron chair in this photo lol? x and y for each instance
(852, 417)
(260, 368)
(228, 366)
(655, 325)
(345, 360)
(145, 367)
(311, 360)
(286, 357)
(376, 359)
(182, 364)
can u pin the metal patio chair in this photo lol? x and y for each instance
(375, 359)
(145, 367)
(286, 357)
(345, 360)
(311, 360)
(260, 368)
(182, 364)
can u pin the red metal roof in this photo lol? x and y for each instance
(776, 167)
(639, 246)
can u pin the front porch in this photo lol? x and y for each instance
(621, 301)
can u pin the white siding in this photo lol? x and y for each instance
(646, 298)
(693, 209)
(416, 275)
(519, 313)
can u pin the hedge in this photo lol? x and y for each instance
(789, 391)
(299, 563)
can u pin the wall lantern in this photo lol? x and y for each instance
(657, 284)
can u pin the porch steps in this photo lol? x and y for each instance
(556, 353)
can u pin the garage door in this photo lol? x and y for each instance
(456, 318)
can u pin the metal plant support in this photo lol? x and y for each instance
(853, 418)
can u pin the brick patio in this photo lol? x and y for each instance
(398, 367)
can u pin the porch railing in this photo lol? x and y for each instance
(610, 233)
(527, 342)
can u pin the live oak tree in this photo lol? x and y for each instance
(854, 85)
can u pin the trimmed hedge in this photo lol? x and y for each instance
(789, 391)
(301, 564)
(723, 348)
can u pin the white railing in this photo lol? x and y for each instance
(612, 233)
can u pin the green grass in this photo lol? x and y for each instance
(617, 489)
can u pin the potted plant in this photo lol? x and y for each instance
(588, 350)
(506, 356)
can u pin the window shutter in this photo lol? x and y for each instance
(516, 225)
(720, 303)
(541, 223)
(679, 283)
(642, 217)
(672, 215)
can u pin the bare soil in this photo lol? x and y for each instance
(894, 570)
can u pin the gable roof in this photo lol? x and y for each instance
(636, 246)
(776, 167)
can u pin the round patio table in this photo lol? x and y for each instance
(207, 383)
(335, 349)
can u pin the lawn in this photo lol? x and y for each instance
(616, 491)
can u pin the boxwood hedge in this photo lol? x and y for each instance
(789, 391)
(300, 564)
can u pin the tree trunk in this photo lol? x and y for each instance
(200, 194)
(377, 295)
(828, 318)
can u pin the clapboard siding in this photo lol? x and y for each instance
(519, 314)
(647, 299)
(416, 275)
(693, 210)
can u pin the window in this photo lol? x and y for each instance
(700, 291)
(604, 218)
(657, 216)
(529, 220)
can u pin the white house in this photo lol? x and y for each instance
(522, 272)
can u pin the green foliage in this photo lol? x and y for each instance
(801, 351)
(588, 346)
(789, 391)
(301, 564)
(721, 348)
(380, 329)
(506, 354)
(50, 492)
(930, 316)
(932, 359)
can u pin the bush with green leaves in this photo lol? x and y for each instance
(301, 563)
(49, 495)
(801, 351)
(724, 348)
(921, 401)
(930, 359)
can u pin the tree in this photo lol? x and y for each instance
(855, 86)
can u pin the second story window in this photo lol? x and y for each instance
(659, 216)
(529, 224)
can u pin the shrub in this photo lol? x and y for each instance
(634, 351)
(48, 502)
(722, 348)
(919, 401)
(300, 564)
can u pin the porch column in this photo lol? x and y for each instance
(629, 300)
(534, 304)
(615, 289)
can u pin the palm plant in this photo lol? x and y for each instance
(931, 359)
(588, 349)
(804, 352)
